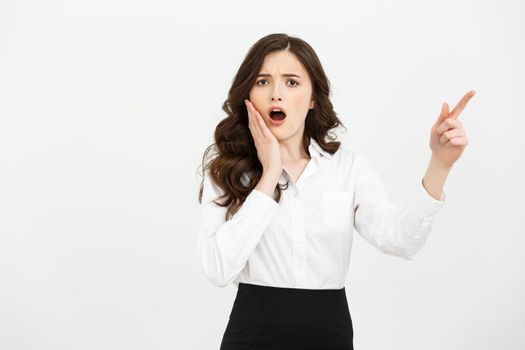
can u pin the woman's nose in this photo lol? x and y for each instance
(276, 94)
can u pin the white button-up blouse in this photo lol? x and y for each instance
(305, 240)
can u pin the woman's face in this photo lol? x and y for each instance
(283, 82)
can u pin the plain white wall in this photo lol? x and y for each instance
(106, 107)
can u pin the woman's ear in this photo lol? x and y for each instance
(312, 104)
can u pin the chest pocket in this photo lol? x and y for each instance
(337, 209)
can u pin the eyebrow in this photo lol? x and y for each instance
(283, 75)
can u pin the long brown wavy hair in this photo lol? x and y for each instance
(235, 153)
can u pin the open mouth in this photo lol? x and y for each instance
(277, 115)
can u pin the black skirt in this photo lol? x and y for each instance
(265, 317)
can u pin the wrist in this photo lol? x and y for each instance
(438, 164)
(272, 174)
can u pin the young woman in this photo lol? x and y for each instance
(279, 202)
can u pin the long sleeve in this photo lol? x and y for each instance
(394, 231)
(225, 246)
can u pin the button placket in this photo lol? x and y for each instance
(299, 242)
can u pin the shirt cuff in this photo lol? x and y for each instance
(428, 205)
(260, 205)
(263, 198)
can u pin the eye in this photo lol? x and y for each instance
(291, 80)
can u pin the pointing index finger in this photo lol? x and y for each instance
(461, 104)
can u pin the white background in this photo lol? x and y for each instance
(106, 108)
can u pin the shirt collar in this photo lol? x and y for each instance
(316, 150)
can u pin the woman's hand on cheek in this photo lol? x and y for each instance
(268, 150)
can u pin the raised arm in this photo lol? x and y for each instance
(403, 232)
